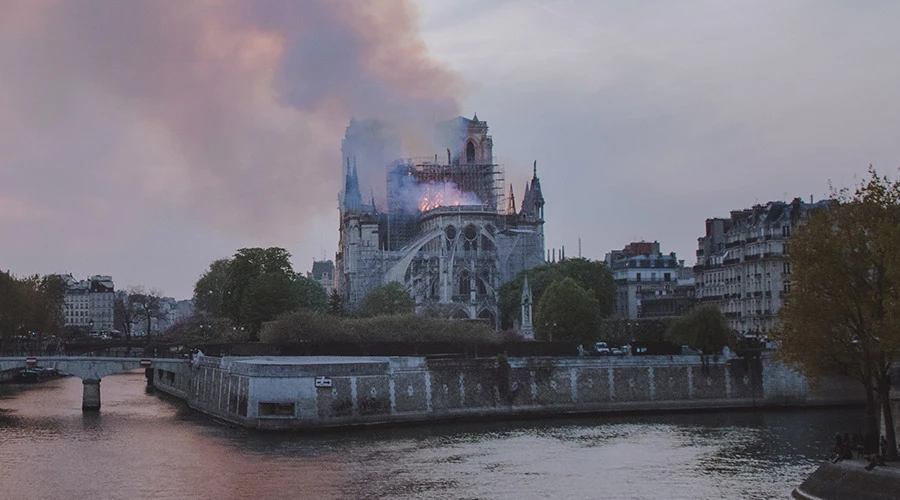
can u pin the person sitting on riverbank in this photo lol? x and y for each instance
(196, 354)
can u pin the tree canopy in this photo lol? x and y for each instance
(30, 307)
(589, 275)
(566, 311)
(210, 288)
(843, 310)
(255, 286)
(704, 327)
(387, 300)
(307, 325)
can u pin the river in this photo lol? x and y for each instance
(140, 446)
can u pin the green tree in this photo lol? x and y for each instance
(255, 286)
(52, 290)
(30, 307)
(595, 277)
(590, 275)
(210, 288)
(309, 294)
(335, 304)
(247, 265)
(267, 296)
(387, 300)
(843, 311)
(704, 327)
(567, 312)
(10, 308)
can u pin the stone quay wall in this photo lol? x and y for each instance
(310, 392)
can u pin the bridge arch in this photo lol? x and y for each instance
(91, 369)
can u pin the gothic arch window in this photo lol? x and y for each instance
(460, 314)
(450, 233)
(470, 234)
(464, 283)
(470, 152)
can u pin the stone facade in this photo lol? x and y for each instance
(89, 303)
(323, 273)
(444, 230)
(296, 393)
(741, 267)
(642, 272)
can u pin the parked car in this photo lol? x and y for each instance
(601, 349)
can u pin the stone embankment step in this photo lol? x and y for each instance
(849, 480)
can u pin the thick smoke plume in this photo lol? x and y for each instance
(231, 111)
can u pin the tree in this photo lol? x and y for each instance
(704, 327)
(595, 277)
(566, 311)
(210, 288)
(309, 294)
(30, 307)
(267, 296)
(387, 300)
(52, 291)
(843, 311)
(145, 306)
(255, 286)
(248, 265)
(590, 275)
(10, 307)
(125, 315)
(335, 304)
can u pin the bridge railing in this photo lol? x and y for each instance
(122, 349)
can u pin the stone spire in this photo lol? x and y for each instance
(537, 198)
(511, 207)
(527, 328)
(526, 202)
(352, 196)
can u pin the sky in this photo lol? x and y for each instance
(145, 139)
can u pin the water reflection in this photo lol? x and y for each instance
(140, 446)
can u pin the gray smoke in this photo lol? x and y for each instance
(229, 111)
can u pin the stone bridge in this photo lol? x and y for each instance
(90, 369)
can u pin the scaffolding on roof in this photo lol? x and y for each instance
(484, 180)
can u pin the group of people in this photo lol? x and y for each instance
(847, 446)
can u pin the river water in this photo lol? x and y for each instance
(142, 447)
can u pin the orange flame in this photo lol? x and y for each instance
(443, 194)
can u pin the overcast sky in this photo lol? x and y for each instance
(144, 139)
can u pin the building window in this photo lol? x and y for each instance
(637, 277)
(786, 231)
(470, 152)
(667, 277)
(787, 268)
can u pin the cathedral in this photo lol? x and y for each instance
(445, 230)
